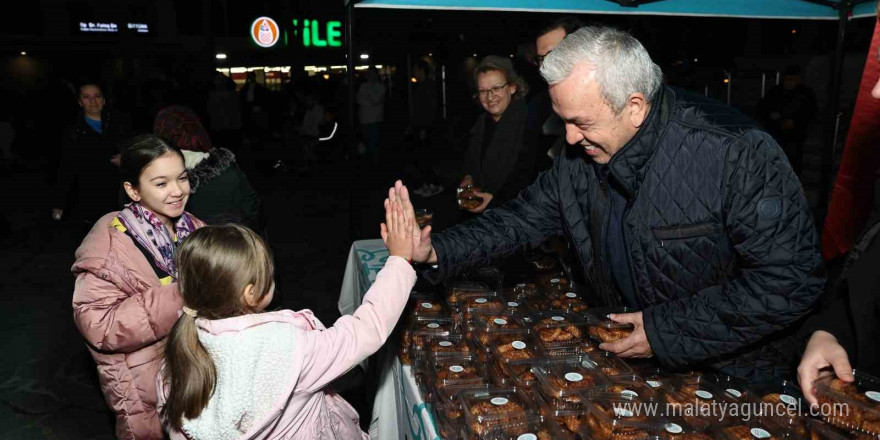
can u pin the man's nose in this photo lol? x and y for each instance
(572, 135)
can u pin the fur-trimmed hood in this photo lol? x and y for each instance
(207, 168)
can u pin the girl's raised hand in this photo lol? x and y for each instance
(397, 231)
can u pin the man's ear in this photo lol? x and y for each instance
(132, 192)
(637, 106)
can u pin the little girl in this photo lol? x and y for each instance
(232, 372)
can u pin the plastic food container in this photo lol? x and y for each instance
(820, 430)
(687, 397)
(553, 283)
(565, 383)
(445, 400)
(677, 429)
(753, 430)
(456, 288)
(609, 364)
(782, 403)
(567, 421)
(491, 413)
(554, 329)
(516, 359)
(423, 328)
(439, 347)
(861, 397)
(575, 352)
(619, 418)
(446, 428)
(632, 386)
(490, 327)
(428, 307)
(513, 302)
(603, 329)
(735, 387)
(526, 290)
(456, 371)
(479, 303)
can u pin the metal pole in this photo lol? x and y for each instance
(349, 44)
(443, 85)
(833, 108)
(409, 78)
(706, 91)
(729, 85)
(777, 77)
(763, 83)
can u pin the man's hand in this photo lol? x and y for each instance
(822, 351)
(636, 344)
(487, 197)
(116, 159)
(423, 251)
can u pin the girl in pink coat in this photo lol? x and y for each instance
(125, 298)
(232, 372)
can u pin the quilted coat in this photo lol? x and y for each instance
(274, 369)
(124, 313)
(723, 255)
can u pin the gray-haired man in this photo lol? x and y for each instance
(678, 206)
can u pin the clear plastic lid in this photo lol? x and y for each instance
(530, 428)
(423, 328)
(454, 345)
(861, 398)
(568, 380)
(428, 307)
(448, 428)
(489, 326)
(734, 386)
(457, 288)
(553, 329)
(494, 410)
(516, 358)
(553, 283)
(609, 364)
(685, 393)
(619, 418)
(631, 386)
(480, 303)
(783, 400)
(603, 329)
(513, 302)
(445, 400)
(456, 371)
(567, 417)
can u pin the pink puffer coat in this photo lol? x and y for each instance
(124, 313)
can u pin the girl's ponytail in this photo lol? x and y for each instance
(216, 264)
(190, 372)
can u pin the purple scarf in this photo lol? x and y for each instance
(153, 236)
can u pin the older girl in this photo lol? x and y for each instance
(126, 299)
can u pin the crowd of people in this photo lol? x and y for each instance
(671, 204)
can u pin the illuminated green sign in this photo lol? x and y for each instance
(312, 31)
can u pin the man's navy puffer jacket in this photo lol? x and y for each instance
(723, 254)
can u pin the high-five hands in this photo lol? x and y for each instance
(397, 231)
(422, 250)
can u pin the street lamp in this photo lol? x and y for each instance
(221, 56)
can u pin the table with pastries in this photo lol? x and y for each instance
(484, 357)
